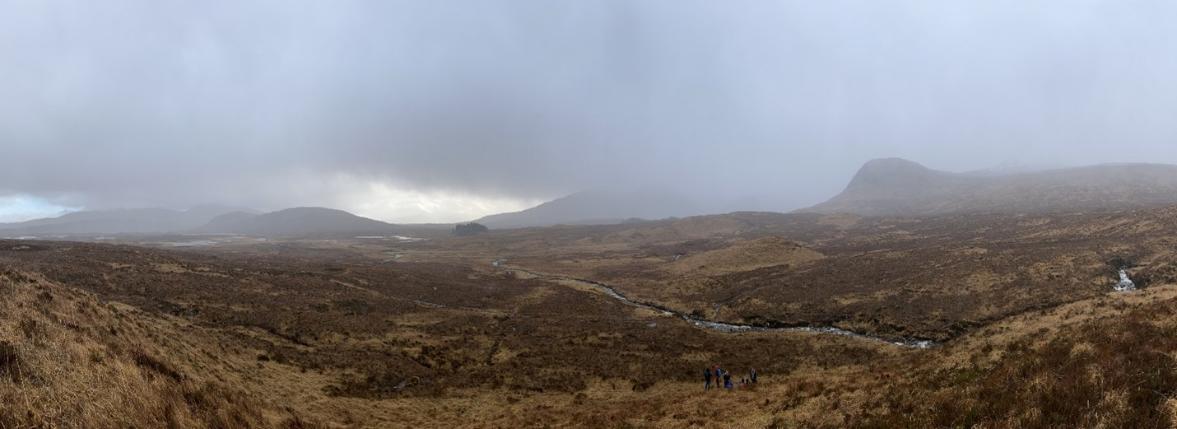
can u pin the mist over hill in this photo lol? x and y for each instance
(899, 187)
(300, 221)
(123, 221)
(293, 222)
(598, 207)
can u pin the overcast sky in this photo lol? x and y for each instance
(432, 110)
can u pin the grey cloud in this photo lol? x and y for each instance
(258, 103)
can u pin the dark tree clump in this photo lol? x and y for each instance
(468, 229)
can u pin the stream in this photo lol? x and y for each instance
(723, 326)
(1126, 284)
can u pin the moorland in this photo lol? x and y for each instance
(460, 331)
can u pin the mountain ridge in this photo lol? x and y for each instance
(120, 221)
(899, 187)
(296, 221)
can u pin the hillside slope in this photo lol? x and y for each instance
(70, 360)
(301, 221)
(124, 221)
(897, 187)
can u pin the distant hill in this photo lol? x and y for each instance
(596, 207)
(125, 221)
(898, 187)
(227, 222)
(301, 221)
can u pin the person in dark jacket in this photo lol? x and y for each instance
(727, 380)
(752, 375)
(707, 379)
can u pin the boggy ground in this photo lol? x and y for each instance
(354, 333)
(934, 278)
(353, 343)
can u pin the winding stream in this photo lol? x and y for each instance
(722, 326)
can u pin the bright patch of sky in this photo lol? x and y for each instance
(19, 208)
(399, 205)
(372, 198)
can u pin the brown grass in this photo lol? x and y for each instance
(284, 333)
(69, 361)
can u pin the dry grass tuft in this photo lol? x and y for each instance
(69, 361)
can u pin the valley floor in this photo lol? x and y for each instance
(334, 334)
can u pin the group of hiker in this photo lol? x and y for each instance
(718, 377)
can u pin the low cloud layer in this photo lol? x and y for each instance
(426, 110)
